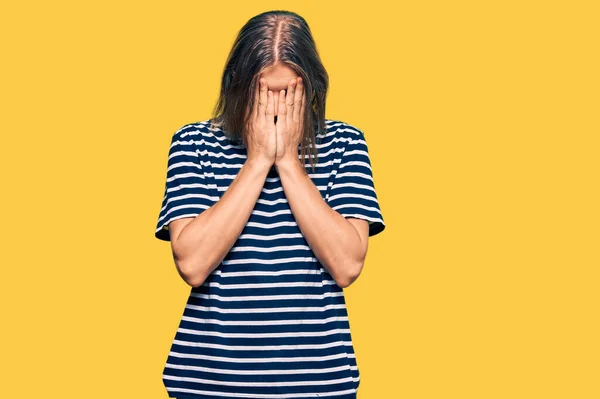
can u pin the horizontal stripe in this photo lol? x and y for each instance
(264, 322)
(262, 384)
(261, 347)
(213, 394)
(264, 335)
(259, 360)
(266, 297)
(266, 310)
(261, 372)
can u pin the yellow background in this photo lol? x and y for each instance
(482, 120)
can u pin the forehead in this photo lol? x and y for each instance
(278, 76)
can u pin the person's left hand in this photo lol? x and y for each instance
(290, 126)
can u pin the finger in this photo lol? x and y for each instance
(282, 111)
(263, 98)
(290, 100)
(298, 99)
(255, 97)
(270, 115)
(302, 117)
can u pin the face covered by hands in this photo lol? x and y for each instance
(285, 115)
(290, 118)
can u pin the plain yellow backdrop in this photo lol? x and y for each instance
(482, 120)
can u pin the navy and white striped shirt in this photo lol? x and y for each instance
(269, 322)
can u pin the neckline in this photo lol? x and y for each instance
(273, 172)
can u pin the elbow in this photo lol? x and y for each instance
(194, 283)
(193, 273)
(191, 278)
(192, 268)
(350, 276)
(346, 281)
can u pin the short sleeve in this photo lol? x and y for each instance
(187, 192)
(353, 192)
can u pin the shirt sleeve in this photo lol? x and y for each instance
(353, 192)
(186, 189)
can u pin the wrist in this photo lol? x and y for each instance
(259, 164)
(287, 162)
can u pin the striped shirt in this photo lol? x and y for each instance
(269, 322)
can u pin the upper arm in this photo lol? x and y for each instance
(175, 228)
(352, 190)
(362, 227)
(187, 188)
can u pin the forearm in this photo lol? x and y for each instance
(206, 240)
(333, 240)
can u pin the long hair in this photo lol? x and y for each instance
(269, 38)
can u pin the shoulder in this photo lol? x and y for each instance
(342, 133)
(194, 131)
(192, 136)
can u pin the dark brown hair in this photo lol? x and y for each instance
(269, 38)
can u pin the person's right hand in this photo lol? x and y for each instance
(261, 139)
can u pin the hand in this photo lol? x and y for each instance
(261, 136)
(290, 126)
